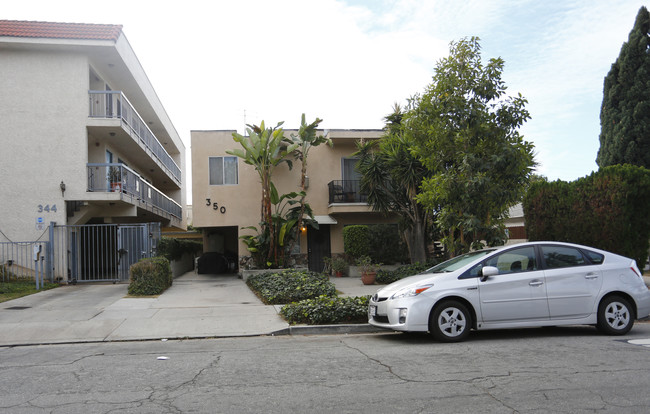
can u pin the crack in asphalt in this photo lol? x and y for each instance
(378, 362)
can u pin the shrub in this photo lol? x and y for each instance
(386, 244)
(355, 241)
(606, 210)
(150, 276)
(390, 276)
(325, 310)
(174, 249)
(290, 286)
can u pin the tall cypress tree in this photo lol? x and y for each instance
(625, 112)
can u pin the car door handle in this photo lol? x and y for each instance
(536, 283)
(591, 275)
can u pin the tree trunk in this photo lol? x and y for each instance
(416, 242)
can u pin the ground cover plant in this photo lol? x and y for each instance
(325, 310)
(290, 286)
(308, 297)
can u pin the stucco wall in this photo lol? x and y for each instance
(43, 135)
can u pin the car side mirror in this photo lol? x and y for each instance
(488, 271)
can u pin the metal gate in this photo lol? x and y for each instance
(101, 252)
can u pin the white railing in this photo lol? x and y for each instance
(114, 104)
(103, 177)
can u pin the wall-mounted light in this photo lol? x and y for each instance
(303, 228)
(306, 181)
(62, 187)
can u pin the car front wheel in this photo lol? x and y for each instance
(450, 321)
(615, 316)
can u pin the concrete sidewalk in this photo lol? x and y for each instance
(196, 306)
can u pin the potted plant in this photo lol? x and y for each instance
(115, 177)
(339, 265)
(368, 270)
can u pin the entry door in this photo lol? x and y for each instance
(318, 244)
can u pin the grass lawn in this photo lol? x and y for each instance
(16, 288)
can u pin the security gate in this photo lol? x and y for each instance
(101, 252)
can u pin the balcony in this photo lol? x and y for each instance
(345, 197)
(346, 191)
(115, 105)
(132, 188)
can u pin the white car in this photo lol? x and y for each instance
(526, 285)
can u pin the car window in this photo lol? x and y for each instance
(514, 261)
(562, 256)
(458, 261)
(595, 258)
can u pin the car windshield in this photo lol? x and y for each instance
(458, 261)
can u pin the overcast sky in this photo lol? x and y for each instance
(221, 64)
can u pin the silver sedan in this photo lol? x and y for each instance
(526, 285)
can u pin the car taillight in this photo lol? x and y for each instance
(635, 269)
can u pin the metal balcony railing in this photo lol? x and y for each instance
(119, 178)
(113, 104)
(345, 191)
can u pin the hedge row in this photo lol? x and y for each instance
(606, 210)
(325, 310)
(150, 276)
(355, 241)
(174, 249)
(382, 242)
(290, 286)
(385, 277)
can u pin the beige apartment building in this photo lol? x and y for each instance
(227, 194)
(85, 142)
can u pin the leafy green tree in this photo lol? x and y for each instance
(464, 129)
(391, 176)
(265, 148)
(625, 111)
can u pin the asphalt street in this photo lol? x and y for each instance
(560, 370)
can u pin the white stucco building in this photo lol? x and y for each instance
(84, 137)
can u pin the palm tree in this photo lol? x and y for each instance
(391, 178)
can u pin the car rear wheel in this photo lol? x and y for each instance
(450, 321)
(615, 316)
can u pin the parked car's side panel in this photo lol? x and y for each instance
(573, 282)
(519, 285)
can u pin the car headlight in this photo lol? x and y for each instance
(410, 291)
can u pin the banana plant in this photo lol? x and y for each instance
(265, 148)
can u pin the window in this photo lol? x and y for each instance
(596, 258)
(514, 261)
(560, 256)
(223, 170)
(349, 171)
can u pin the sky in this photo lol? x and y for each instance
(222, 64)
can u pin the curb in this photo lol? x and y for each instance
(292, 330)
(329, 329)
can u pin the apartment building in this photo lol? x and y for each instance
(227, 194)
(85, 139)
